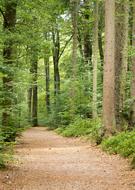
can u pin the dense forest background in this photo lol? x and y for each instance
(69, 65)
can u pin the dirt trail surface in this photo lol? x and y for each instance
(47, 161)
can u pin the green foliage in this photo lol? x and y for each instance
(6, 151)
(123, 144)
(82, 127)
(5, 158)
(10, 133)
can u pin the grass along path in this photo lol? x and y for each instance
(47, 161)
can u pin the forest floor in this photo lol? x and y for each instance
(47, 161)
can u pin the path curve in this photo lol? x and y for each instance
(47, 161)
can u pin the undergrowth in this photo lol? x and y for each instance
(7, 142)
(123, 144)
(6, 152)
(82, 127)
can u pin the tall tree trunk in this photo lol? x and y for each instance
(121, 57)
(29, 104)
(47, 76)
(131, 9)
(100, 32)
(34, 93)
(100, 43)
(9, 57)
(87, 40)
(56, 53)
(109, 69)
(74, 14)
(30, 89)
(95, 60)
(87, 46)
(133, 71)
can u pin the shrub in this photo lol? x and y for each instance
(6, 144)
(11, 132)
(5, 152)
(82, 127)
(123, 144)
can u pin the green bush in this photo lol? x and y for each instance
(5, 152)
(10, 133)
(82, 127)
(7, 138)
(4, 159)
(123, 144)
(60, 130)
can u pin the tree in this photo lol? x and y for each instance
(100, 31)
(109, 69)
(74, 15)
(33, 86)
(133, 71)
(74, 19)
(121, 57)
(9, 23)
(34, 63)
(56, 53)
(95, 60)
(87, 37)
(30, 100)
(47, 76)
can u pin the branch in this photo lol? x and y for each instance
(67, 42)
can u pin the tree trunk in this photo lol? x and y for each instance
(87, 40)
(87, 46)
(100, 32)
(9, 57)
(74, 14)
(109, 69)
(95, 60)
(133, 71)
(47, 76)
(35, 93)
(56, 53)
(29, 104)
(121, 57)
(34, 87)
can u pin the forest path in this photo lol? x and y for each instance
(47, 161)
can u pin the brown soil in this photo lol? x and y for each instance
(46, 161)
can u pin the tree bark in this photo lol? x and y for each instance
(29, 104)
(56, 53)
(9, 58)
(121, 58)
(100, 43)
(74, 14)
(87, 40)
(95, 60)
(100, 32)
(133, 71)
(74, 67)
(109, 69)
(35, 93)
(47, 76)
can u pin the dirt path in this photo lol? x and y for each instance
(47, 161)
